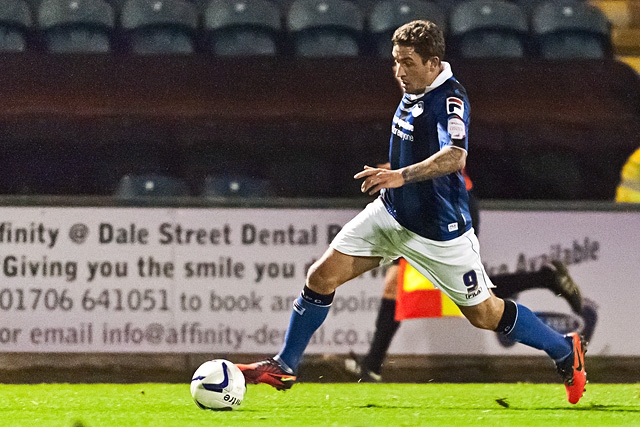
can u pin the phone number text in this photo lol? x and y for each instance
(52, 299)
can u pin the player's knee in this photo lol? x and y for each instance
(485, 315)
(322, 281)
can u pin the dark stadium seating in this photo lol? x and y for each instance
(242, 27)
(569, 29)
(308, 28)
(321, 28)
(387, 15)
(236, 186)
(79, 26)
(151, 185)
(488, 29)
(306, 118)
(159, 27)
(15, 24)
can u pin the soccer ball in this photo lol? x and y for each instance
(218, 385)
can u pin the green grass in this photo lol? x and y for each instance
(367, 405)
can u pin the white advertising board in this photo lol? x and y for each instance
(208, 280)
(167, 280)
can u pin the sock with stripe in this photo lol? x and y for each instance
(309, 311)
(521, 325)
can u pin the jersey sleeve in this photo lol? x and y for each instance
(456, 123)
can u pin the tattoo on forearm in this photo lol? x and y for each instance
(410, 174)
(442, 164)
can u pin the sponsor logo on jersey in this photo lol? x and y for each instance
(400, 134)
(453, 226)
(474, 294)
(456, 128)
(402, 123)
(402, 128)
(455, 106)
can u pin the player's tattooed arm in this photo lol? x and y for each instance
(445, 161)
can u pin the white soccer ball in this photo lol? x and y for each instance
(218, 385)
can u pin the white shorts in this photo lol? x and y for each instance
(453, 266)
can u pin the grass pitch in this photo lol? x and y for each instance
(307, 404)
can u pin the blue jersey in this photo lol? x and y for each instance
(437, 209)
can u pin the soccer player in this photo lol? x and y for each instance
(553, 276)
(422, 215)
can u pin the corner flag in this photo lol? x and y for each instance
(417, 297)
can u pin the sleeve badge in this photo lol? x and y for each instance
(455, 106)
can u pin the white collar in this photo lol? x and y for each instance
(444, 75)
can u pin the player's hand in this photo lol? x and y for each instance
(375, 179)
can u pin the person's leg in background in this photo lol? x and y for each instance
(369, 367)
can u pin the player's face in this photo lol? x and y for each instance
(413, 73)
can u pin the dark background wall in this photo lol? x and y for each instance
(74, 124)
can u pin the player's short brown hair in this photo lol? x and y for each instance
(424, 36)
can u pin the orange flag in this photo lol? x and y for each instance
(417, 297)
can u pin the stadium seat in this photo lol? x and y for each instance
(488, 29)
(447, 5)
(150, 185)
(387, 15)
(242, 27)
(528, 6)
(571, 29)
(159, 26)
(73, 26)
(15, 22)
(236, 186)
(624, 17)
(325, 28)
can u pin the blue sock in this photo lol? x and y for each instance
(530, 330)
(309, 312)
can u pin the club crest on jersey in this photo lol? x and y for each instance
(455, 106)
(417, 109)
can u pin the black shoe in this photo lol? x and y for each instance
(564, 286)
(354, 366)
